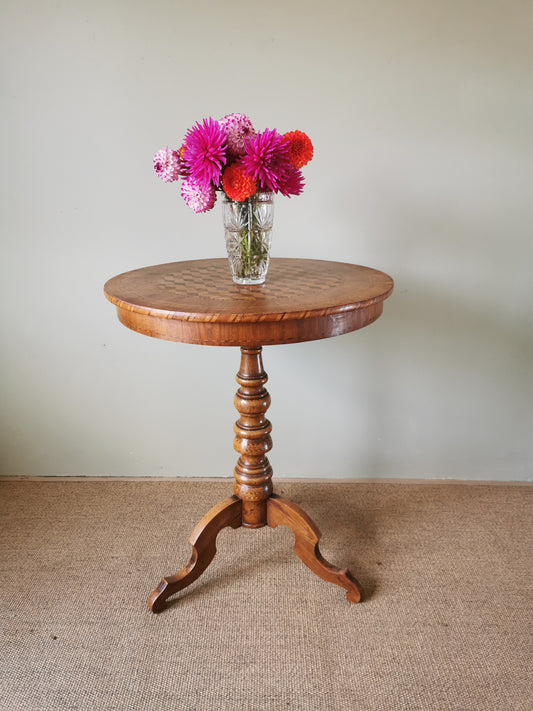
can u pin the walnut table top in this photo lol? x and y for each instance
(197, 301)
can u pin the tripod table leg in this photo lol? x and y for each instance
(283, 512)
(203, 542)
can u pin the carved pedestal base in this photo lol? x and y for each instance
(253, 505)
(280, 512)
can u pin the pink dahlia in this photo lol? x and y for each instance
(267, 160)
(168, 165)
(292, 183)
(197, 196)
(205, 151)
(239, 129)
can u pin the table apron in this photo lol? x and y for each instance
(249, 333)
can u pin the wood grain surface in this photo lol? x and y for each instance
(197, 301)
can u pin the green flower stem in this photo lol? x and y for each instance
(251, 242)
(248, 226)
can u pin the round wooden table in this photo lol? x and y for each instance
(197, 302)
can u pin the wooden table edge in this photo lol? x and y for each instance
(245, 317)
(235, 323)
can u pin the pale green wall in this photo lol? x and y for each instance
(421, 114)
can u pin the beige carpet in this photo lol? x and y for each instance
(446, 621)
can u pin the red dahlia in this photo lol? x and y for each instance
(236, 184)
(300, 148)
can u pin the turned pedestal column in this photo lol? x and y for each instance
(253, 473)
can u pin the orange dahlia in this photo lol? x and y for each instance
(236, 184)
(300, 148)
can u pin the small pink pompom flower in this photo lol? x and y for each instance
(239, 129)
(198, 197)
(168, 165)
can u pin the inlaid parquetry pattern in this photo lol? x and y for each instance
(197, 301)
(292, 285)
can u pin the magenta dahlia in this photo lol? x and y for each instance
(168, 165)
(197, 196)
(267, 160)
(239, 129)
(292, 183)
(205, 152)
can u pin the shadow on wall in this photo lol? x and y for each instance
(445, 378)
(446, 387)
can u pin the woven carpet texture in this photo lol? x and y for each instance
(445, 623)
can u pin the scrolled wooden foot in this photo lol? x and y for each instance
(203, 542)
(283, 512)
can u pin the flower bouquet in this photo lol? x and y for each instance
(247, 167)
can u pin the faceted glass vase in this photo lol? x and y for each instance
(248, 232)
